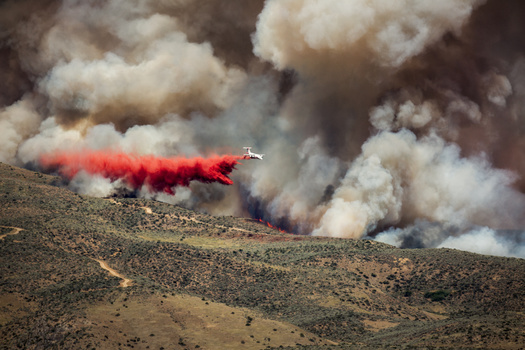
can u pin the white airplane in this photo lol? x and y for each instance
(250, 155)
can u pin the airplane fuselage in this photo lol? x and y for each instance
(250, 155)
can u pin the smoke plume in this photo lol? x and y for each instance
(401, 121)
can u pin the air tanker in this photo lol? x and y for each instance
(250, 155)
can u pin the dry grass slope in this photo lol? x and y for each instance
(223, 282)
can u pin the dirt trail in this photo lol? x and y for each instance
(15, 231)
(213, 225)
(126, 282)
(147, 210)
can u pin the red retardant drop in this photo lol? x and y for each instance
(159, 174)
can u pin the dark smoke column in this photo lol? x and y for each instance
(157, 173)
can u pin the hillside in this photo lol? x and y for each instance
(82, 272)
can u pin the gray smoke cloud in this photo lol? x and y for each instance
(397, 120)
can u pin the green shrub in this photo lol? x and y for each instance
(437, 295)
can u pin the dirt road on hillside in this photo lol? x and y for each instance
(15, 231)
(126, 282)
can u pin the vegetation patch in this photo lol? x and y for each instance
(437, 295)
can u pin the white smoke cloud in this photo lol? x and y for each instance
(401, 117)
(17, 122)
(391, 116)
(481, 240)
(299, 197)
(93, 185)
(498, 89)
(307, 34)
(484, 241)
(129, 86)
(398, 177)
(50, 137)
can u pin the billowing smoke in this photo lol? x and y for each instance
(403, 121)
(156, 173)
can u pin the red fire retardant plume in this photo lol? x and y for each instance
(159, 174)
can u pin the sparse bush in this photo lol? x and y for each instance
(437, 295)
